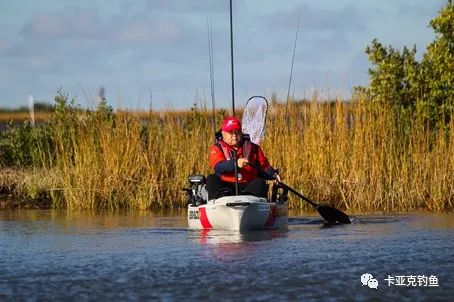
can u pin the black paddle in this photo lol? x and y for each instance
(330, 214)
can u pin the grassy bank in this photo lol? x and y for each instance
(354, 155)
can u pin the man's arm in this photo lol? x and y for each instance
(219, 162)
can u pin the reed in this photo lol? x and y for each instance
(363, 157)
(353, 155)
(6, 117)
(127, 160)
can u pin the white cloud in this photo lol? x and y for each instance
(70, 23)
(194, 6)
(130, 47)
(160, 31)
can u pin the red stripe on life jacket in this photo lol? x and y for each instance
(204, 219)
(272, 216)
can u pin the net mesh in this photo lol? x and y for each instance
(254, 118)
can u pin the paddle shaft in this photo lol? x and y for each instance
(299, 194)
(330, 214)
(288, 188)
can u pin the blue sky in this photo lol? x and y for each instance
(134, 48)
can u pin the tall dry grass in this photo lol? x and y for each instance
(128, 161)
(6, 117)
(353, 155)
(363, 157)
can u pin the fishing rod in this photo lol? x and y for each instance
(210, 56)
(231, 59)
(291, 71)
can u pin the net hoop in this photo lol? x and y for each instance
(254, 118)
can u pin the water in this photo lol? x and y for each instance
(51, 255)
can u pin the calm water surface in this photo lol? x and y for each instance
(141, 256)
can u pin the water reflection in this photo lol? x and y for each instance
(61, 221)
(440, 221)
(219, 237)
(228, 246)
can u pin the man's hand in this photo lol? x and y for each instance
(242, 162)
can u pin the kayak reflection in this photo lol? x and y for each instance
(217, 237)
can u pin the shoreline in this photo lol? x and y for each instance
(14, 193)
(19, 190)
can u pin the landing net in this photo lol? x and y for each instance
(254, 118)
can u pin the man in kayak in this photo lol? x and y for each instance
(233, 148)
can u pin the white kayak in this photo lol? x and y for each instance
(238, 213)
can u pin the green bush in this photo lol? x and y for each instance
(426, 87)
(24, 145)
(18, 145)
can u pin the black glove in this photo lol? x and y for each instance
(270, 172)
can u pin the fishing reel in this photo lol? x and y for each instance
(197, 192)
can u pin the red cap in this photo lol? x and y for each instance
(231, 123)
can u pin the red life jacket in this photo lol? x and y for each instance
(222, 151)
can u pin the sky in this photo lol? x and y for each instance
(154, 53)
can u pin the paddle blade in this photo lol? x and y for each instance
(333, 215)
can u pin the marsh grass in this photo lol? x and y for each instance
(18, 117)
(362, 157)
(356, 155)
(126, 160)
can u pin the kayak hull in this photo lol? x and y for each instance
(238, 213)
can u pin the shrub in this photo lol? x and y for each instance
(399, 80)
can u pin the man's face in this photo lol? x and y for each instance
(232, 138)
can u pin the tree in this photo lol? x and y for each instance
(397, 79)
(438, 62)
(395, 76)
